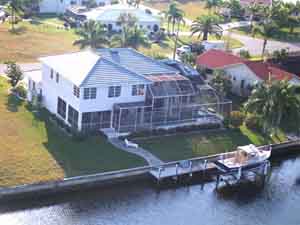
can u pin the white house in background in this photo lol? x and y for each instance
(109, 15)
(243, 73)
(119, 89)
(60, 6)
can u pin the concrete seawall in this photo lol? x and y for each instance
(111, 178)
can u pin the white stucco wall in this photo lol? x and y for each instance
(141, 24)
(64, 89)
(103, 102)
(240, 72)
(53, 90)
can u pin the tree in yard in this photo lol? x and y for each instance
(206, 25)
(276, 102)
(179, 20)
(15, 10)
(265, 29)
(253, 9)
(280, 56)
(213, 5)
(235, 8)
(92, 34)
(172, 14)
(131, 35)
(189, 58)
(221, 83)
(91, 4)
(14, 73)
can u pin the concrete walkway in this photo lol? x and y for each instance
(149, 157)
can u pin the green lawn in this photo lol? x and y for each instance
(282, 35)
(34, 149)
(33, 40)
(51, 18)
(179, 147)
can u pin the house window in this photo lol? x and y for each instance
(114, 91)
(73, 117)
(51, 73)
(57, 77)
(61, 107)
(138, 90)
(33, 85)
(90, 93)
(76, 91)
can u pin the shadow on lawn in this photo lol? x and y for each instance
(18, 30)
(13, 103)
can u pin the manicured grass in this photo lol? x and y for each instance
(31, 41)
(179, 147)
(192, 9)
(33, 149)
(49, 18)
(282, 35)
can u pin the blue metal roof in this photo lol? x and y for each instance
(106, 72)
(135, 61)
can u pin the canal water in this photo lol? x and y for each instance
(141, 204)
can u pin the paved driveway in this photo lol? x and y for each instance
(254, 45)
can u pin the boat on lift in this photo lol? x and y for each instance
(244, 157)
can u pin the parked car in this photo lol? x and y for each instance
(184, 49)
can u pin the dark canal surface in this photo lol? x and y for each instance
(140, 204)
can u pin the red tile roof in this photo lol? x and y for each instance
(216, 59)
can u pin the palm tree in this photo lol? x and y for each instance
(212, 4)
(131, 37)
(15, 8)
(179, 20)
(276, 102)
(92, 34)
(266, 30)
(172, 14)
(205, 25)
(253, 9)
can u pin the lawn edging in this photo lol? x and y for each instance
(114, 177)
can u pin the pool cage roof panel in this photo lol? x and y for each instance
(170, 85)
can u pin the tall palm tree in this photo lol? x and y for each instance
(253, 9)
(205, 25)
(130, 37)
(266, 30)
(212, 5)
(179, 20)
(92, 34)
(172, 14)
(276, 102)
(15, 9)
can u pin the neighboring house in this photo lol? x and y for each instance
(60, 6)
(243, 73)
(119, 89)
(246, 3)
(109, 15)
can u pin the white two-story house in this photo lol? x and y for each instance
(115, 88)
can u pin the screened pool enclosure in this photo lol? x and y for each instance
(170, 101)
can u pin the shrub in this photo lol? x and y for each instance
(244, 54)
(253, 122)
(236, 118)
(78, 135)
(113, 2)
(21, 91)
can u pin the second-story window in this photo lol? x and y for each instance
(114, 91)
(76, 91)
(57, 77)
(51, 73)
(138, 90)
(90, 93)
